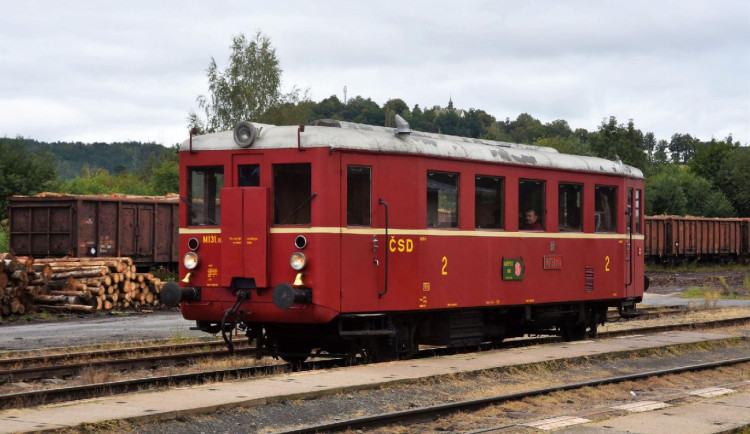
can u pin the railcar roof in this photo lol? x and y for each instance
(359, 137)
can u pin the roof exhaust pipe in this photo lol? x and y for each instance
(402, 127)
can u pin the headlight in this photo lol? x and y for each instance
(298, 261)
(190, 260)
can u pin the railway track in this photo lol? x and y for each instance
(441, 410)
(139, 360)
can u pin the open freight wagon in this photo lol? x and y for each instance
(143, 228)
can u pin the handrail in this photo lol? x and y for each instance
(382, 202)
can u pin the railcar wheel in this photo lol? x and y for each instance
(294, 353)
(382, 349)
(573, 332)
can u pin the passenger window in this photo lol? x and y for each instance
(531, 205)
(629, 215)
(605, 207)
(292, 184)
(358, 196)
(489, 197)
(204, 195)
(569, 215)
(248, 175)
(638, 212)
(442, 200)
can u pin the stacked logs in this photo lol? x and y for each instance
(85, 284)
(20, 284)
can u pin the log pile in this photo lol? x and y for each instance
(74, 284)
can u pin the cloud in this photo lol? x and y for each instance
(106, 70)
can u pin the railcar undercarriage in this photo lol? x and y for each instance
(390, 336)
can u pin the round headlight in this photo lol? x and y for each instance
(193, 244)
(190, 260)
(298, 261)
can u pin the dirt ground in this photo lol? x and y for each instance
(727, 282)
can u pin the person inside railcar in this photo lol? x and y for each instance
(531, 204)
(531, 221)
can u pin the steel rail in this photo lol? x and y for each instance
(47, 359)
(54, 358)
(430, 412)
(109, 388)
(45, 396)
(69, 369)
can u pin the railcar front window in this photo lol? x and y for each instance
(531, 205)
(248, 175)
(605, 208)
(292, 186)
(442, 200)
(358, 196)
(204, 195)
(569, 215)
(488, 202)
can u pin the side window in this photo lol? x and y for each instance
(204, 195)
(569, 215)
(248, 175)
(358, 196)
(531, 205)
(442, 200)
(629, 216)
(489, 197)
(638, 212)
(292, 184)
(605, 208)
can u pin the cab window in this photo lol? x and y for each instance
(442, 200)
(488, 202)
(204, 195)
(569, 215)
(292, 184)
(605, 208)
(248, 175)
(531, 207)
(358, 196)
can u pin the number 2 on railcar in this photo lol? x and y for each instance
(351, 239)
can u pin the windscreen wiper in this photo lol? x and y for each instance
(298, 208)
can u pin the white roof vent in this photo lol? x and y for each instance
(402, 127)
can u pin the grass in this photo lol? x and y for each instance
(711, 295)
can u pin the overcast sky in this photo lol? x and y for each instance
(131, 70)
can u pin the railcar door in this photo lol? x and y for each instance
(362, 241)
(245, 224)
(634, 242)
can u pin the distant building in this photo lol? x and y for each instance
(460, 112)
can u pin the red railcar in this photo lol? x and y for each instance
(353, 238)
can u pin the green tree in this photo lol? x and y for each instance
(569, 145)
(329, 108)
(734, 178)
(22, 172)
(710, 157)
(245, 90)
(614, 140)
(100, 181)
(166, 178)
(682, 147)
(676, 190)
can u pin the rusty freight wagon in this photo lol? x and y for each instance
(54, 225)
(680, 238)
